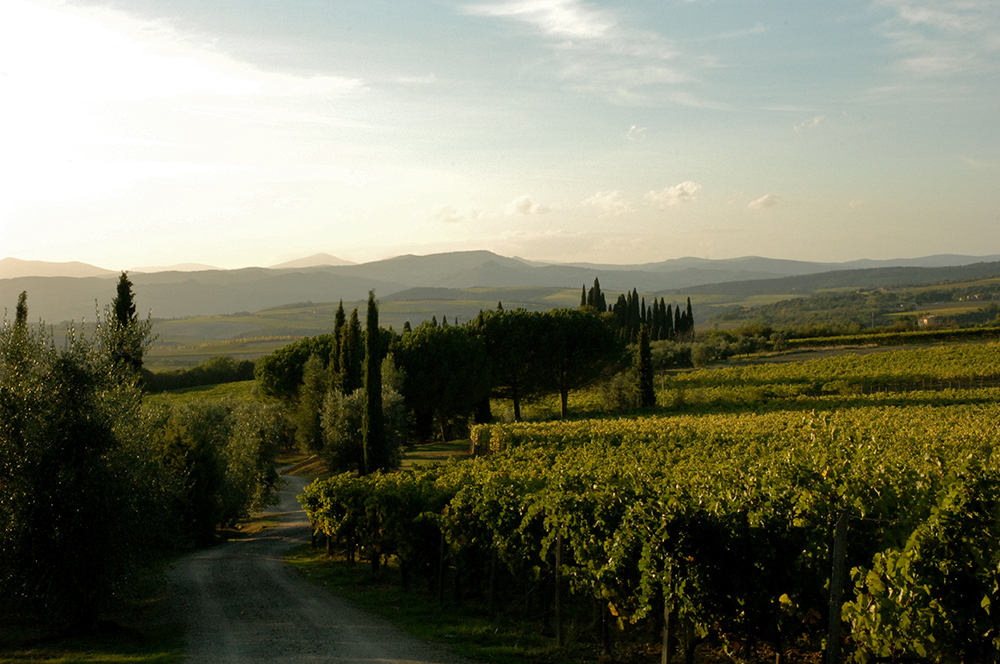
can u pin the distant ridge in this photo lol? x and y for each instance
(14, 268)
(68, 291)
(316, 260)
(182, 267)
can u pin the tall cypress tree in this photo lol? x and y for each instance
(339, 321)
(124, 350)
(373, 425)
(634, 317)
(583, 296)
(595, 297)
(124, 335)
(351, 351)
(644, 370)
(21, 313)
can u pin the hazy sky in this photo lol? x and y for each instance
(250, 132)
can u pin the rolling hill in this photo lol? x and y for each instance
(216, 306)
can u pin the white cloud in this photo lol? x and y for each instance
(855, 204)
(765, 202)
(808, 124)
(979, 163)
(524, 205)
(936, 38)
(429, 79)
(610, 202)
(684, 192)
(951, 19)
(635, 133)
(597, 53)
(448, 214)
(558, 18)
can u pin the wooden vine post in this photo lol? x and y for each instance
(836, 586)
(558, 595)
(441, 570)
(667, 597)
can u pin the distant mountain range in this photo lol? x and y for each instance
(72, 291)
(315, 260)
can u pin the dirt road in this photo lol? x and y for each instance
(243, 604)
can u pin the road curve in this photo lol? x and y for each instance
(242, 603)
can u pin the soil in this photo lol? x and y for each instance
(242, 603)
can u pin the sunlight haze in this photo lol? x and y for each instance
(159, 132)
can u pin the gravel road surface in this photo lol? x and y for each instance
(242, 603)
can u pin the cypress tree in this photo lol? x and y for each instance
(21, 315)
(373, 425)
(124, 341)
(315, 383)
(350, 377)
(339, 321)
(634, 317)
(124, 302)
(583, 296)
(595, 297)
(690, 318)
(668, 322)
(678, 322)
(619, 310)
(644, 370)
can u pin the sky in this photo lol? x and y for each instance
(252, 132)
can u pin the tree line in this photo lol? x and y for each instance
(663, 321)
(435, 377)
(95, 485)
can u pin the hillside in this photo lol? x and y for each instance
(70, 291)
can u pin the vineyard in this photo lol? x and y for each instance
(721, 523)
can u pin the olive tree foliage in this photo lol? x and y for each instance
(342, 421)
(84, 500)
(222, 455)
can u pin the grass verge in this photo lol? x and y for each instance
(464, 628)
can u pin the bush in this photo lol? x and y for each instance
(341, 420)
(620, 392)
